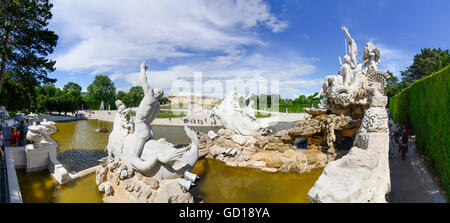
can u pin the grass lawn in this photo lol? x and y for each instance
(170, 114)
(262, 115)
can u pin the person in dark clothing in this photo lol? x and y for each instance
(22, 129)
(403, 144)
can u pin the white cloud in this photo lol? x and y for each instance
(112, 37)
(288, 73)
(106, 34)
(394, 60)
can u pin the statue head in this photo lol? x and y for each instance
(159, 93)
(120, 105)
(347, 59)
(369, 44)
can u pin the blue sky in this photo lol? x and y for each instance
(296, 43)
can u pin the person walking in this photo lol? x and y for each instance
(404, 142)
(14, 135)
(396, 135)
(2, 144)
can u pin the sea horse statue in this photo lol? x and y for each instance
(153, 158)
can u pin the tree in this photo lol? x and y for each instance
(164, 100)
(15, 96)
(73, 93)
(102, 89)
(426, 63)
(25, 42)
(72, 86)
(121, 95)
(135, 96)
(393, 86)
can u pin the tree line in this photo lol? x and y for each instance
(269, 102)
(425, 63)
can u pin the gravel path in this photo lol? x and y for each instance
(412, 180)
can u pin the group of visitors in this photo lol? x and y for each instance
(400, 134)
(199, 121)
(17, 135)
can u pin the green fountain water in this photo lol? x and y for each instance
(80, 146)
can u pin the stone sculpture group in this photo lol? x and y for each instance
(133, 154)
(353, 100)
(347, 134)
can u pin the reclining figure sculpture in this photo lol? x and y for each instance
(138, 150)
(240, 120)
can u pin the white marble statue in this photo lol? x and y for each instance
(248, 109)
(362, 175)
(153, 158)
(371, 57)
(341, 88)
(241, 121)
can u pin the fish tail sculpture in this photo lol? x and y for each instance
(190, 157)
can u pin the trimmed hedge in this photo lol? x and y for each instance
(424, 106)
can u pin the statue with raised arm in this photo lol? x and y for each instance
(138, 150)
(352, 48)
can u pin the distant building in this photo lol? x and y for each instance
(203, 100)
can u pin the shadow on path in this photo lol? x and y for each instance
(411, 179)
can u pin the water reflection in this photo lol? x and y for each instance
(223, 184)
(40, 187)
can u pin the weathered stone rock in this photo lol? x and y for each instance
(106, 187)
(239, 139)
(170, 192)
(271, 170)
(258, 164)
(152, 182)
(271, 146)
(227, 133)
(137, 188)
(101, 175)
(212, 134)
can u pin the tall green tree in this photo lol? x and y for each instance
(102, 89)
(25, 42)
(72, 92)
(135, 95)
(393, 85)
(123, 96)
(72, 86)
(426, 63)
(164, 100)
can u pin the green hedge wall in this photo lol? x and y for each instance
(424, 106)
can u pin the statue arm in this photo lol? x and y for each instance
(143, 78)
(350, 40)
